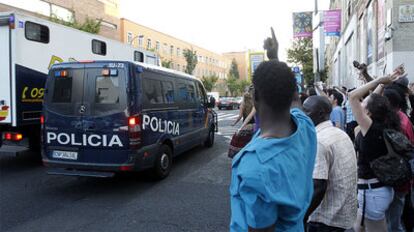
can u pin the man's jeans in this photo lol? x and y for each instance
(395, 211)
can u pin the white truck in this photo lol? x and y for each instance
(29, 47)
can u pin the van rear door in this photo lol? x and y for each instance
(92, 127)
(63, 106)
(107, 114)
(5, 75)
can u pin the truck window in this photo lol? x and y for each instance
(107, 90)
(36, 32)
(138, 56)
(98, 47)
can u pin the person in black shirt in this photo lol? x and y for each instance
(373, 116)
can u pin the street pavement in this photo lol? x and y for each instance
(193, 198)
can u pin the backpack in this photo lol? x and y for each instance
(394, 169)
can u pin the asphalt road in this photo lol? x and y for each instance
(193, 198)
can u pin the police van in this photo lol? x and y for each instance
(104, 117)
(29, 47)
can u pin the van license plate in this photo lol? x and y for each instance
(65, 155)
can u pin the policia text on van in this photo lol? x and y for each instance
(108, 116)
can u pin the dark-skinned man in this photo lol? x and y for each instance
(334, 203)
(271, 185)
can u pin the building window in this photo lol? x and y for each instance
(36, 32)
(108, 24)
(178, 52)
(157, 46)
(140, 41)
(61, 13)
(98, 47)
(149, 44)
(129, 37)
(171, 49)
(178, 67)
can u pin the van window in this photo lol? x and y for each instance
(106, 94)
(152, 92)
(191, 92)
(201, 93)
(183, 94)
(168, 92)
(62, 92)
(98, 47)
(36, 32)
(107, 90)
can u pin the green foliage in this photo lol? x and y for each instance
(236, 87)
(191, 58)
(243, 84)
(90, 25)
(232, 85)
(166, 63)
(301, 54)
(209, 82)
(234, 71)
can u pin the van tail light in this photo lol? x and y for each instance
(12, 136)
(42, 122)
(134, 130)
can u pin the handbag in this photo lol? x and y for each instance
(240, 139)
(393, 169)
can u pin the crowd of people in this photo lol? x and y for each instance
(309, 163)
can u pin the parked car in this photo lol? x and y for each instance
(239, 100)
(228, 103)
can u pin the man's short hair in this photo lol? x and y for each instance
(338, 97)
(274, 84)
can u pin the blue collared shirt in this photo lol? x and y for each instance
(272, 179)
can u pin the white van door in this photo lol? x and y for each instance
(5, 78)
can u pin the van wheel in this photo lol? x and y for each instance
(210, 138)
(163, 163)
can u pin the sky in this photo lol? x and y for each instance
(221, 25)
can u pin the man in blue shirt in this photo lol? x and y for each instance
(337, 115)
(271, 186)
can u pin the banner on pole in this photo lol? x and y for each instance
(332, 22)
(302, 25)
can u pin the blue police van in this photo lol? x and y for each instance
(104, 117)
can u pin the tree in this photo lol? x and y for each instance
(166, 63)
(191, 58)
(301, 54)
(243, 84)
(209, 82)
(234, 70)
(90, 25)
(232, 85)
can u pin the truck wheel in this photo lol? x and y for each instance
(210, 138)
(163, 163)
